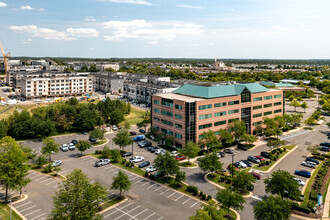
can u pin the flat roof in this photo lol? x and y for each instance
(185, 98)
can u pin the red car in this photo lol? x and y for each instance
(133, 133)
(229, 167)
(256, 175)
(260, 158)
(180, 157)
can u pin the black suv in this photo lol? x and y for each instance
(265, 154)
(242, 147)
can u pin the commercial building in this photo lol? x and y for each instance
(189, 111)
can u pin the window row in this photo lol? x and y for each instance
(218, 123)
(217, 105)
(267, 97)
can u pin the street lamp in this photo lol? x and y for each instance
(232, 166)
(11, 206)
(132, 148)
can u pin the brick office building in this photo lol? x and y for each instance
(192, 109)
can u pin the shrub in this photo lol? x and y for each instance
(267, 162)
(201, 193)
(228, 181)
(123, 161)
(41, 160)
(47, 169)
(221, 178)
(313, 195)
(311, 204)
(127, 164)
(301, 208)
(98, 151)
(146, 174)
(209, 197)
(203, 197)
(152, 176)
(192, 189)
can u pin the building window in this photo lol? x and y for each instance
(277, 111)
(257, 107)
(178, 107)
(257, 99)
(157, 128)
(167, 122)
(233, 120)
(268, 97)
(245, 96)
(277, 103)
(156, 119)
(205, 126)
(257, 123)
(167, 131)
(201, 117)
(156, 110)
(218, 123)
(202, 107)
(170, 114)
(221, 104)
(277, 96)
(233, 102)
(220, 114)
(268, 105)
(167, 102)
(156, 102)
(178, 116)
(257, 115)
(268, 113)
(230, 112)
(178, 126)
(178, 135)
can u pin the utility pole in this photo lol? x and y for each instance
(11, 206)
(232, 166)
(132, 148)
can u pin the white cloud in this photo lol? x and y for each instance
(120, 30)
(90, 19)
(2, 4)
(26, 41)
(29, 8)
(153, 42)
(82, 32)
(189, 6)
(45, 33)
(136, 2)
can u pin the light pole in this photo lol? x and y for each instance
(232, 166)
(132, 148)
(11, 206)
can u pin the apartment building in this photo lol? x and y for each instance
(190, 110)
(56, 85)
(109, 82)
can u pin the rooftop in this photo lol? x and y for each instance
(179, 97)
(209, 92)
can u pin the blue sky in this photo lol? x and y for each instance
(281, 29)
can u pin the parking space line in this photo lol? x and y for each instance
(158, 188)
(46, 180)
(151, 186)
(33, 212)
(164, 191)
(134, 178)
(171, 195)
(193, 205)
(38, 175)
(28, 208)
(85, 158)
(23, 204)
(40, 178)
(51, 182)
(38, 216)
(141, 213)
(117, 209)
(145, 183)
(149, 216)
(138, 181)
(126, 213)
(160, 218)
(186, 201)
(179, 198)
(106, 168)
(55, 186)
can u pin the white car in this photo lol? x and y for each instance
(160, 151)
(56, 163)
(300, 182)
(174, 153)
(64, 147)
(72, 146)
(114, 127)
(308, 164)
(241, 164)
(137, 159)
(151, 169)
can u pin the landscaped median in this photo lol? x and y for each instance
(111, 203)
(5, 212)
(100, 142)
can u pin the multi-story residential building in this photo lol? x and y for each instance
(109, 82)
(189, 111)
(56, 85)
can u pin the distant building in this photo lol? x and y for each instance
(109, 82)
(219, 64)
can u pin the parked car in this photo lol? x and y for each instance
(242, 147)
(174, 153)
(153, 150)
(160, 151)
(56, 163)
(91, 139)
(229, 168)
(312, 160)
(72, 146)
(180, 157)
(74, 142)
(303, 173)
(240, 164)
(325, 144)
(260, 158)
(223, 172)
(137, 159)
(308, 164)
(132, 133)
(144, 144)
(149, 148)
(102, 162)
(64, 147)
(265, 154)
(139, 138)
(151, 169)
(255, 174)
(127, 154)
(144, 164)
(300, 182)
(247, 163)
(142, 131)
(221, 154)
(324, 148)
(114, 127)
(228, 151)
(159, 175)
(253, 159)
(84, 132)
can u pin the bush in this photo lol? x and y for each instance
(311, 204)
(267, 162)
(127, 164)
(146, 174)
(313, 195)
(47, 169)
(203, 197)
(221, 178)
(152, 176)
(41, 160)
(192, 189)
(201, 193)
(301, 208)
(98, 151)
(209, 197)
(123, 161)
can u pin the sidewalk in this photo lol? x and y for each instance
(326, 204)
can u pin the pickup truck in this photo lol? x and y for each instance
(102, 162)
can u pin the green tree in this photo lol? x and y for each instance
(190, 150)
(73, 101)
(241, 180)
(259, 130)
(121, 182)
(230, 199)
(291, 98)
(310, 121)
(295, 104)
(97, 133)
(274, 207)
(280, 183)
(3, 128)
(313, 149)
(83, 146)
(115, 155)
(209, 139)
(50, 146)
(304, 106)
(127, 125)
(122, 139)
(249, 138)
(116, 117)
(225, 137)
(209, 211)
(166, 164)
(238, 129)
(180, 176)
(77, 197)
(210, 163)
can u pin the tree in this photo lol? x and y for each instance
(241, 180)
(230, 199)
(209, 139)
(249, 138)
(190, 150)
(3, 129)
(304, 106)
(209, 211)
(280, 183)
(310, 121)
(73, 101)
(313, 149)
(122, 139)
(166, 164)
(225, 137)
(274, 207)
(50, 146)
(97, 133)
(77, 197)
(116, 117)
(295, 104)
(180, 176)
(83, 145)
(121, 182)
(115, 155)
(238, 129)
(210, 163)
(258, 130)
(127, 125)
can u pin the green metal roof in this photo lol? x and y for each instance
(209, 92)
(280, 84)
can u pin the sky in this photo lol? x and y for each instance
(260, 29)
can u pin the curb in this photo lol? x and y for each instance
(302, 217)
(189, 167)
(113, 206)
(100, 145)
(21, 200)
(17, 212)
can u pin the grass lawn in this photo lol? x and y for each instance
(102, 141)
(111, 202)
(5, 212)
(266, 167)
(185, 164)
(289, 147)
(216, 178)
(14, 107)
(310, 183)
(134, 117)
